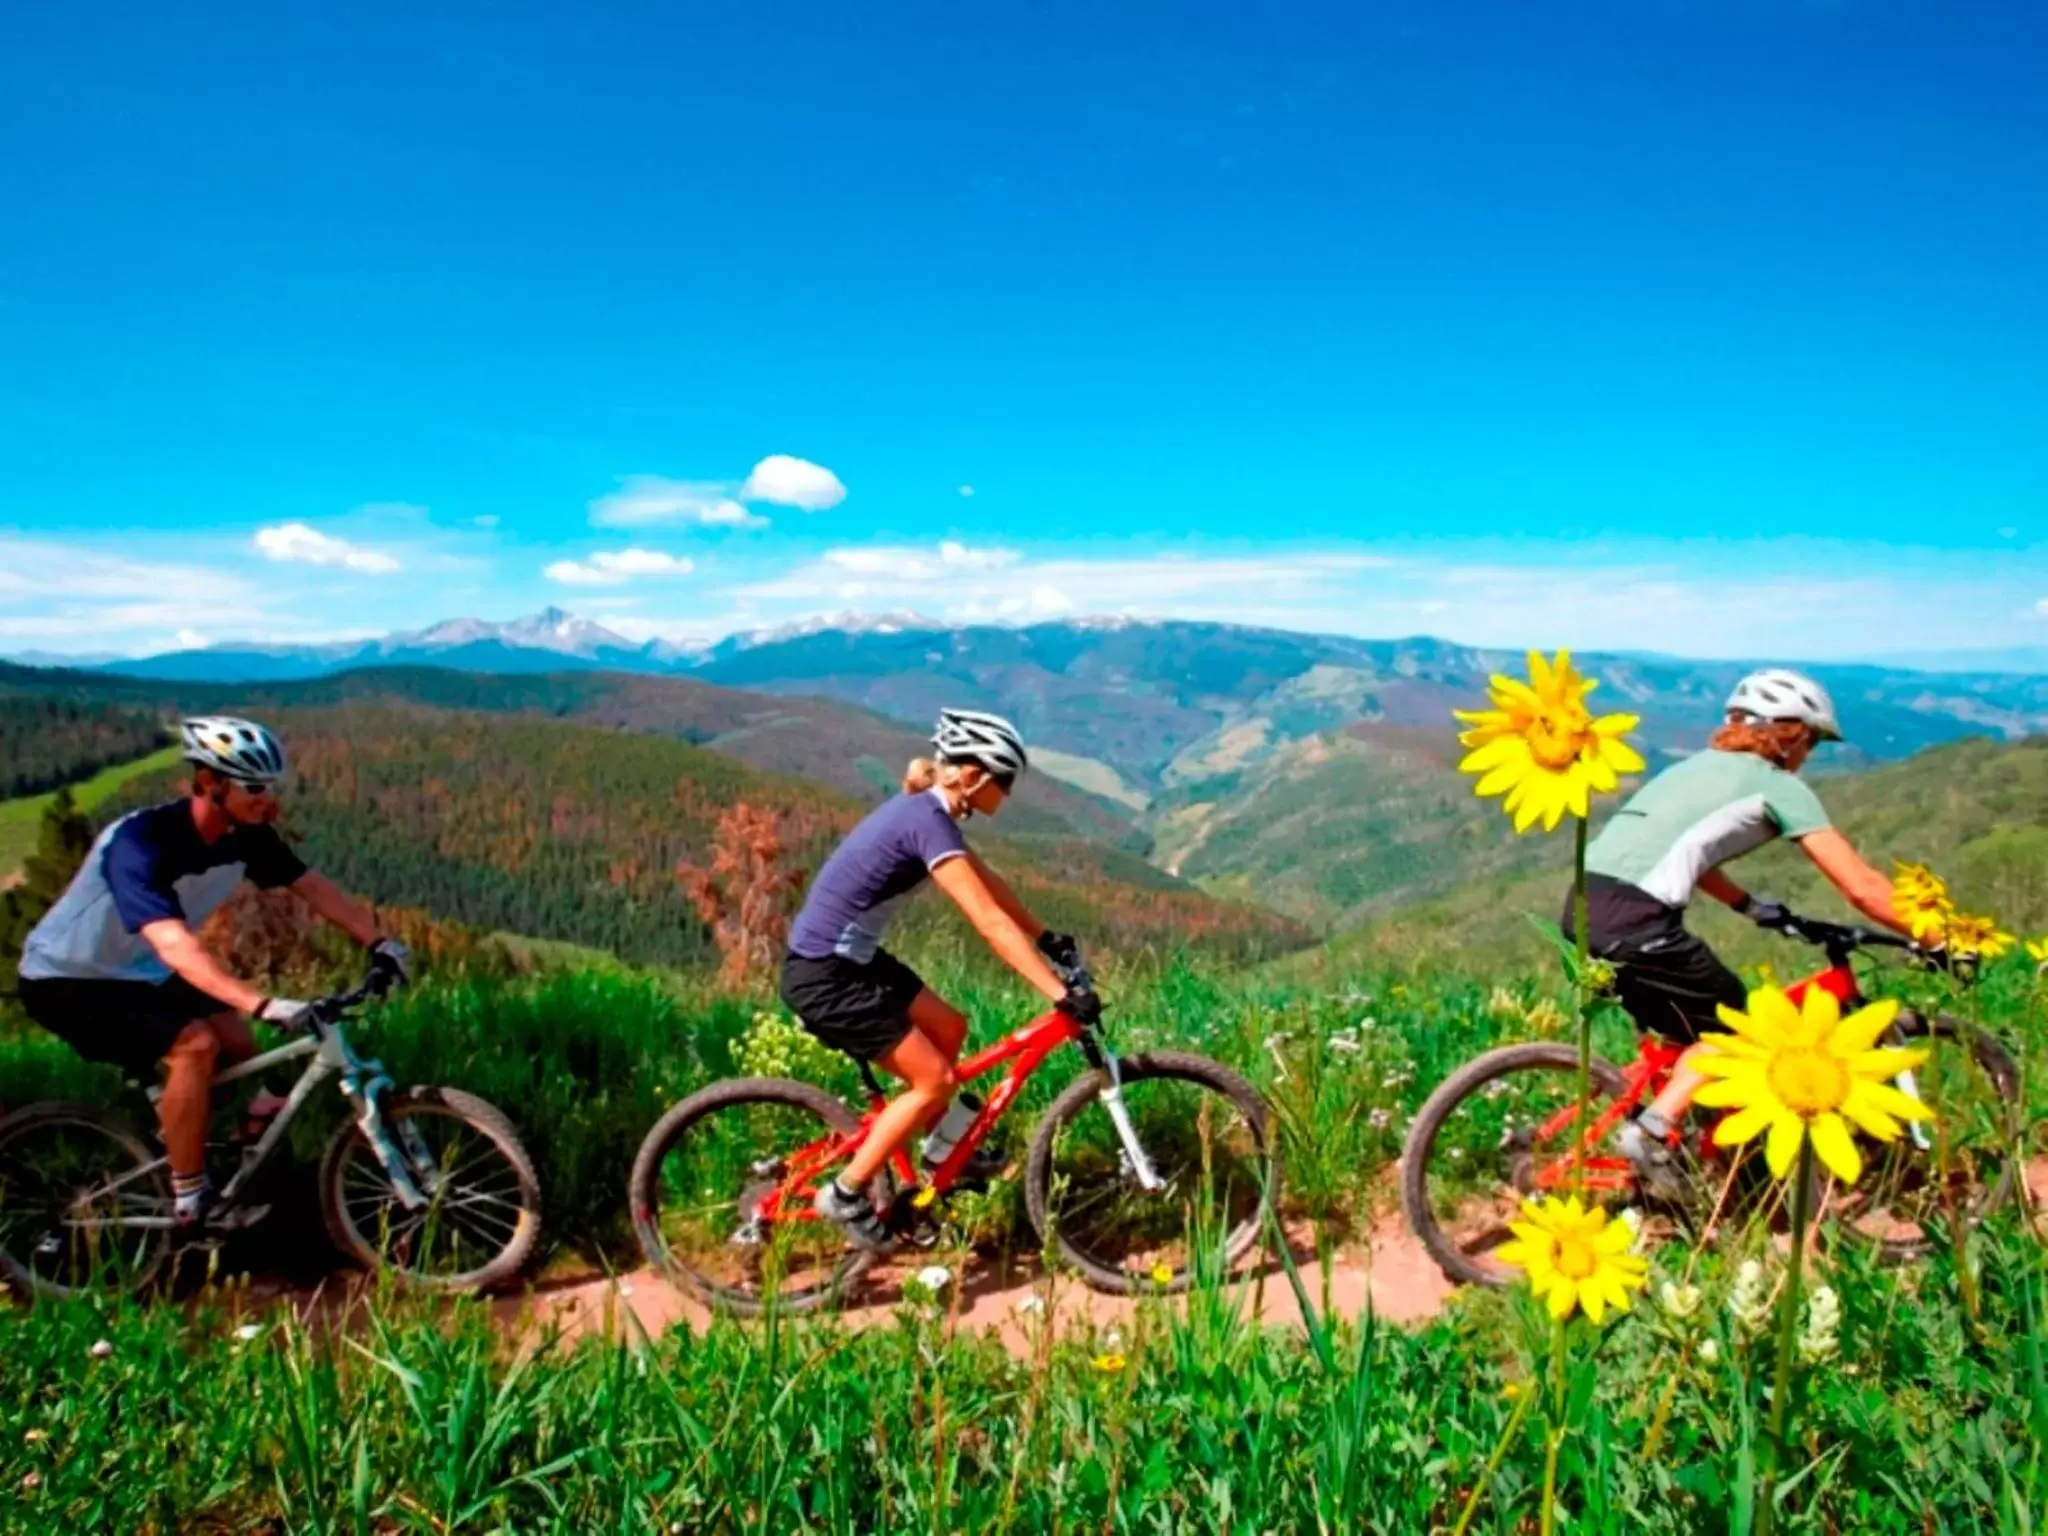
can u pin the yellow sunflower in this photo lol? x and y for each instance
(1921, 899)
(1977, 938)
(1801, 1070)
(1575, 1257)
(2037, 950)
(1541, 749)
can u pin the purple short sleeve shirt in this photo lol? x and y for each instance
(885, 858)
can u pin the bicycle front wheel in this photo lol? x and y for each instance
(721, 1195)
(85, 1203)
(481, 1218)
(1948, 1174)
(1502, 1127)
(1207, 1134)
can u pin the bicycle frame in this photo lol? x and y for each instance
(1025, 1050)
(364, 1083)
(1646, 1076)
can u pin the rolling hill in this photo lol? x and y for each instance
(853, 750)
(560, 830)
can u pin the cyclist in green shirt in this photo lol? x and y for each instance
(1671, 839)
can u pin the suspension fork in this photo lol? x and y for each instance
(364, 1083)
(1112, 1096)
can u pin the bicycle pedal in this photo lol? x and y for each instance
(910, 1216)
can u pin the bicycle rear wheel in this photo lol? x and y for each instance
(482, 1216)
(1502, 1127)
(1206, 1132)
(1909, 1193)
(721, 1195)
(85, 1203)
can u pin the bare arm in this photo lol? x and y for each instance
(963, 882)
(337, 906)
(1861, 886)
(179, 948)
(1007, 899)
(1723, 890)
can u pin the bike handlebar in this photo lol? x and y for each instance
(338, 1005)
(1841, 940)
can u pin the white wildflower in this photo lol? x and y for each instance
(1710, 1351)
(1344, 1044)
(1678, 1300)
(1749, 1300)
(934, 1277)
(1821, 1340)
(248, 1331)
(1380, 1119)
(101, 1349)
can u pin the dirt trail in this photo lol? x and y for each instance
(1390, 1267)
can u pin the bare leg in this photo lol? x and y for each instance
(1686, 1080)
(922, 1064)
(181, 1112)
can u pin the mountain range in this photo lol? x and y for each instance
(1314, 774)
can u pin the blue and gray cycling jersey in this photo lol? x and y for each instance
(148, 865)
(883, 860)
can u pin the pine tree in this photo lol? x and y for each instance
(61, 845)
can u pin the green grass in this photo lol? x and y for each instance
(19, 818)
(221, 1418)
(417, 1421)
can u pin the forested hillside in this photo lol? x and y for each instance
(852, 749)
(47, 740)
(565, 831)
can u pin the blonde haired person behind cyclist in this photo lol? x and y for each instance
(856, 997)
(1672, 838)
(116, 970)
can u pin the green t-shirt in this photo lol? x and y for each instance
(1696, 816)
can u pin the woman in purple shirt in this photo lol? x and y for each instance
(858, 998)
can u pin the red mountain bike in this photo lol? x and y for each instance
(1131, 1166)
(1506, 1125)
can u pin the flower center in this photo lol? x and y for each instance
(1576, 1258)
(1553, 736)
(1809, 1082)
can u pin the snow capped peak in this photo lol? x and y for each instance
(552, 629)
(848, 623)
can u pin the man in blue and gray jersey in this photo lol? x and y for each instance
(1671, 839)
(117, 970)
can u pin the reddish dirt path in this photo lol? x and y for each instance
(1391, 1267)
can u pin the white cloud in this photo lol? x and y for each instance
(792, 482)
(966, 490)
(908, 562)
(2041, 607)
(487, 520)
(301, 544)
(644, 501)
(616, 567)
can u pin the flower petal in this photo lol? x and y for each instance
(1836, 1148)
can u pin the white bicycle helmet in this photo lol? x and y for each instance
(240, 749)
(973, 736)
(1778, 693)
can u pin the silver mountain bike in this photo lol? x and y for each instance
(429, 1184)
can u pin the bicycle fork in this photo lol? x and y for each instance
(1112, 1096)
(364, 1083)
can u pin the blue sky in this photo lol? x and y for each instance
(1711, 326)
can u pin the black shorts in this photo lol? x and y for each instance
(1666, 977)
(129, 1024)
(863, 1010)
